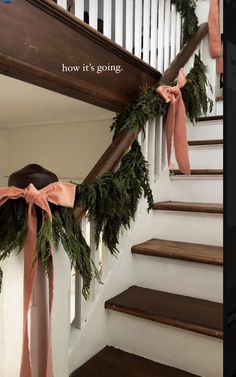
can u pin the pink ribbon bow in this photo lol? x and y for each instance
(57, 193)
(215, 35)
(175, 125)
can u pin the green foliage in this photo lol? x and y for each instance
(112, 199)
(194, 92)
(13, 228)
(187, 10)
(66, 229)
(148, 105)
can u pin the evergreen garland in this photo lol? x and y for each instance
(150, 104)
(194, 93)
(187, 9)
(112, 199)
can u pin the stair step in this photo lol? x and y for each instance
(113, 362)
(206, 142)
(207, 254)
(211, 172)
(197, 315)
(210, 118)
(189, 207)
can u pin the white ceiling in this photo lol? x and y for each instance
(23, 104)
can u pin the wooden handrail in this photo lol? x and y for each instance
(112, 156)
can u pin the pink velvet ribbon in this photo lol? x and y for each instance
(62, 194)
(215, 35)
(175, 126)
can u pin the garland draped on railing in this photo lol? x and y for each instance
(112, 199)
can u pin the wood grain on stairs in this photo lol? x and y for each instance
(112, 362)
(198, 172)
(206, 142)
(201, 316)
(189, 207)
(192, 252)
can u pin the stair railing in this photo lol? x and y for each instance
(154, 151)
(150, 29)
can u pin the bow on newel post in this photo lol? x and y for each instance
(39, 188)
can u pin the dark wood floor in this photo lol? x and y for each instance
(111, 362)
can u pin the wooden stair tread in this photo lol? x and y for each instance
(201, 316)
(198, 172)
(209, 118)
(116, 363)
(206, 142)
(191, 252)
(189, 206)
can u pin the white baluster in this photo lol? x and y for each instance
(153, 60)
(95, 257)
(167, 35)
(93, 13)
(129, 25)
(144, 145)
(106, 260)
(107, 18)
(152, 149)
(160, 40)
(62, 3)
(138, 28)
(173, 32)
(79, 9)
(119, 22)
(178, 33)
(146, 30)
(158, 147)
(164, 147)
(80, 303)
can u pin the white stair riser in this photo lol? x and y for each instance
(179, 277)
(186, 350)
(206, 130)
(207, 157)
(196, 189)
(189, 227)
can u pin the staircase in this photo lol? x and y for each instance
(169, 322)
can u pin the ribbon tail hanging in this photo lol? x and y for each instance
(30, 271)
(180, 139)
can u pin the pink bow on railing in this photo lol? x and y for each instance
(62, 194)
(215, 35)
(175, 126)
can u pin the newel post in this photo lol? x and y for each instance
(41, 178)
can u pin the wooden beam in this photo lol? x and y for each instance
(37, 37)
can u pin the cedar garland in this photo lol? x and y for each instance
(111, 200)
(187, 10)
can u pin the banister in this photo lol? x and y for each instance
(184, 55)
(122, 142)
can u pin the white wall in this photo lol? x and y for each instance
(70, 150)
